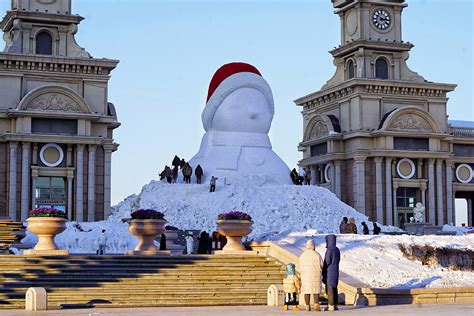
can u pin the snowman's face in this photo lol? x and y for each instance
(244, 110)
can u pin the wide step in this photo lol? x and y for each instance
(122, 281)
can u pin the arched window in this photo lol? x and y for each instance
(350, 69)
(381, 69)
(44, 43)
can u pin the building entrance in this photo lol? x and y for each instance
(51, 192)
(406, 202)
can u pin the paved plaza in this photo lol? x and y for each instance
(406, 310)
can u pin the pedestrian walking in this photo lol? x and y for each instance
(343, 226)
(376, 229)
(102, 243)
(189, 243)
(351, 226)
(365, 228)
(199, 173)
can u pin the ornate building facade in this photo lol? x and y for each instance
(377, 133)
(56, 124)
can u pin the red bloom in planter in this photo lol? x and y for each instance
(235, 215)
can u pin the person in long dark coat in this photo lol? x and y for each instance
(203, 243)
(198, 172)
(365, 228)
(331, 271)
(163, 242)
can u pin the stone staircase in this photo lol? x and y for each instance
(123, 281)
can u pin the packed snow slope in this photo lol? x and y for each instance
(377, 261)
(274, 208)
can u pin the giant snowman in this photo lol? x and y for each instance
(237, 118)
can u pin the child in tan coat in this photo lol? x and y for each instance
(291, 287)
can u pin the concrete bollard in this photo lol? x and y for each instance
(275, 295)
(36, 299)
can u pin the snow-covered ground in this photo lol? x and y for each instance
(377, 261)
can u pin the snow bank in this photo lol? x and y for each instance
(378, 262)
(274, 208)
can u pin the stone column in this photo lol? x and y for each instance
(469, 212)
(69, 197)
(378, 189)
(12, 182)
(314, 175)
(91, 185)
(33, 191)
(333, 177)
(423, 197)
(360, 183)
(439, 192)
(431, 192)
(395, 209)
(79, 183)
(449, 193)
(107, 180)
(25, 180)
(337, 167)
(388, 192)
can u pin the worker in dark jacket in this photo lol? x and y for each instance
(365, 228)
(331, 271)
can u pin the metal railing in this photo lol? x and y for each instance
(462, 131)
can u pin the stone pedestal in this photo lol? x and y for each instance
(415, 228)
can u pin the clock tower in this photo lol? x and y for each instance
(376, 133)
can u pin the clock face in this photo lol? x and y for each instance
(381, 19)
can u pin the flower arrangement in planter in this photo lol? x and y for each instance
(234, 225)
(46, 223)
(234, 215)
(146, 224)
(147, 214)
(47, 212)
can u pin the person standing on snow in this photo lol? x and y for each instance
(331, 271)
(168, 174)
(176, 161)
(365, 228)
(376, 229)
(189, 243)
(310, 265)
(175, 174)
(301, 175)
(199, 173)
(102, 243)
(307, 179)
(213, 184)
(187, 172)
(351, 226)
(343, 226)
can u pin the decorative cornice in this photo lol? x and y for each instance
(375, 87)
(370, 44)
(12, 15)
(57, 64)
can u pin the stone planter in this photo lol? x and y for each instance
(234, 230)
(46, 228)
(147, 230)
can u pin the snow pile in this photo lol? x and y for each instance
(377, 261)
(274, 208)
(82, 238)
(460, 230)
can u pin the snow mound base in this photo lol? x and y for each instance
(274, 208)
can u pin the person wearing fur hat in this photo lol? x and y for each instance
(237, 118)
(291, 287)
(311, 265)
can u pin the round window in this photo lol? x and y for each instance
(405, 168)
(464, 173)
(51, 155)
(327, 172)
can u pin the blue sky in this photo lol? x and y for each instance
(169, 51)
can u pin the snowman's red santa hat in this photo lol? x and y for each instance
(229, 78)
